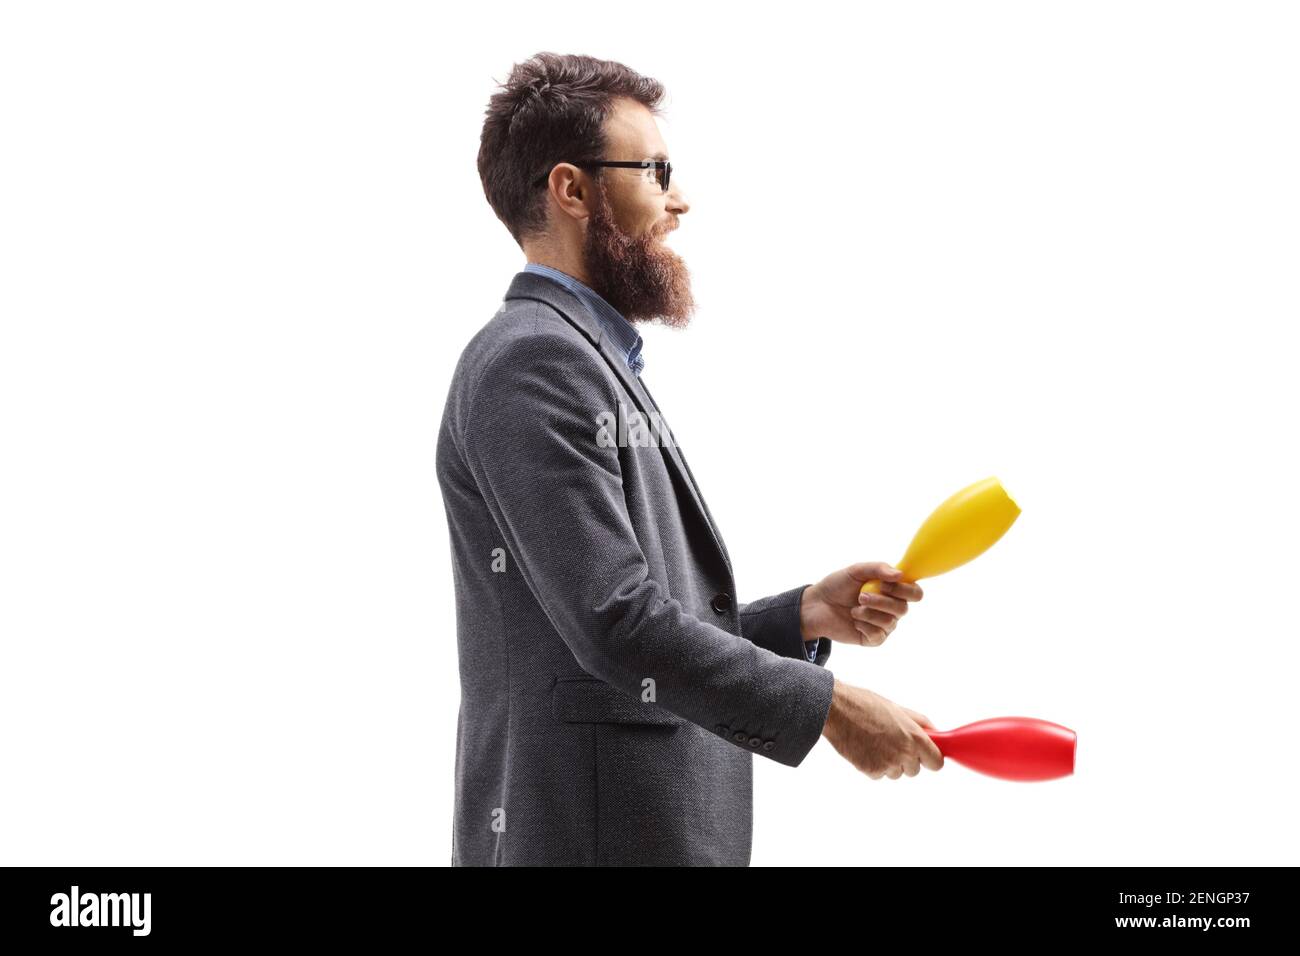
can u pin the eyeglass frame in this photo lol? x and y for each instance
(655, 164)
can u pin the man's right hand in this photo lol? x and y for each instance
(877, 736)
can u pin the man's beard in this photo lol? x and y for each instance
(639, 276)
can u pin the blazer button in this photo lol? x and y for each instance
(722, 602)
(755, 741)
(738, 737)
(722, 729)
(769, 744)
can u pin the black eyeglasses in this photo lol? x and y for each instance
(663, 169)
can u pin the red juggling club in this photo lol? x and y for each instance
(1013, 748)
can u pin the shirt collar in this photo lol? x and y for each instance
(620, 331)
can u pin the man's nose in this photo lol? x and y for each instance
(676, 200)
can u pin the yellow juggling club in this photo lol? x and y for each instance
(962, 528)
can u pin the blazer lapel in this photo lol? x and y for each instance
(676, 455)
(528, 285)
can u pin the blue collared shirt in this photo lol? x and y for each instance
(625, 338)
(620, 331)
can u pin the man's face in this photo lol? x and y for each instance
(624, 253)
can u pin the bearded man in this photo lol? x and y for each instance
(614, 689)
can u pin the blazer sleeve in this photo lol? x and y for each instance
(773, 622)
(530, 438)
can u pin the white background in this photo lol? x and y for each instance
(243, 244)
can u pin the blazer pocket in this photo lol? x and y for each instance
(586, 700)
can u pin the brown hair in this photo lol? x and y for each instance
(551, 109)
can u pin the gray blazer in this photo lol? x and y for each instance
(613, 690)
